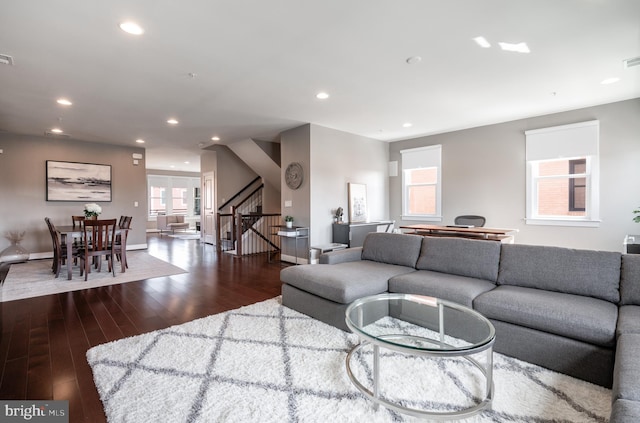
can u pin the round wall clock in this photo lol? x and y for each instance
(294, 175)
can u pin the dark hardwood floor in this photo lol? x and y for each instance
(45, 339)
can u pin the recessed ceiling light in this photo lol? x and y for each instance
(131, 28)
(517, 48)
(186, 162)
(172, 121)
(482, 42)
(609, 81)
(322, 96)
(56, 130)
(407, 125)
(414, 59)
(172, 166)
(64, 102)
(215, 138)
(140, 141)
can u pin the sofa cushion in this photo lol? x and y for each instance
(459, 289)
(459, 256)
(400, 249)
(345, 282)
(626, 372)
(581, 272)
(630, 279)
(581, 318)
(628, 319)
(625, 411)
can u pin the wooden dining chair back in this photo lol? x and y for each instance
(121, 241)
(59, 249)
(77, 221)
(98, 240)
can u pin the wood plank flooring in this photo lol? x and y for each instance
(45, 339)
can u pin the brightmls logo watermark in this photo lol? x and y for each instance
(34, 411)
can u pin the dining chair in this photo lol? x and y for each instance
(59, 249)
(477, 221)
(77, 221)
(98, 240)
(120, 247)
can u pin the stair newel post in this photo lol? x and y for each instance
(239, 227)
(218, 236)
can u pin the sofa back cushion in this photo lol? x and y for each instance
(581, 272)
(459, 256)
(630, 279)
(400, 249)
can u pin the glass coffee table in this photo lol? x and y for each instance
(416, 325)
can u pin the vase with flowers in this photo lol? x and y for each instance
(92, 210)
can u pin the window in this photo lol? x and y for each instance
(577, 185)
(173, 195)
(562, 175)
(422, 183)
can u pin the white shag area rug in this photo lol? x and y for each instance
(34, 278)
(268, 363)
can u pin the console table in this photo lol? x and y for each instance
(353, 234)
(492, 234)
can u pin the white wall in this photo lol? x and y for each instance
(338, 158)
(484, 173)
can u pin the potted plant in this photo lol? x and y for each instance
(631, 242)
(288, 220)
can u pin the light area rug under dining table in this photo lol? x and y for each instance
(35, 278)
(267, 363)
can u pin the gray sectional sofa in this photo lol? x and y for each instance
(572, 311)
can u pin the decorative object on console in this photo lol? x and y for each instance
(357, 202)
(294, 175)
(337, 218)
(70, 181)
(92, 210)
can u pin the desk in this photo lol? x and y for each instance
(492, 234)
(68, 233)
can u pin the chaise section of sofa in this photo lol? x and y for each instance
(324, 291)
(557, 307)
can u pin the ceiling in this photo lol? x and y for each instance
(252, 68)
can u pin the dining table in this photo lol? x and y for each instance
(68, 233)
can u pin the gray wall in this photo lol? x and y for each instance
(232, 174)
(338, 158)
(23, 204)
(483, 172)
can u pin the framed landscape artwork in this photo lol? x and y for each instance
(357, 202)
(70, 181)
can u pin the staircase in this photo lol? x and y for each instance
(244, 229)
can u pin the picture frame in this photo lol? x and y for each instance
(73, 181)
(357, 202)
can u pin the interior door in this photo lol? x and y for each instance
(209, 199)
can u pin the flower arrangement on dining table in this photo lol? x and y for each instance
(92, 210)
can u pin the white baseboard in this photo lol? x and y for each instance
(292, 259)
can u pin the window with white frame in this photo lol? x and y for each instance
(422, 183)
(563, 175)
(173, 195)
